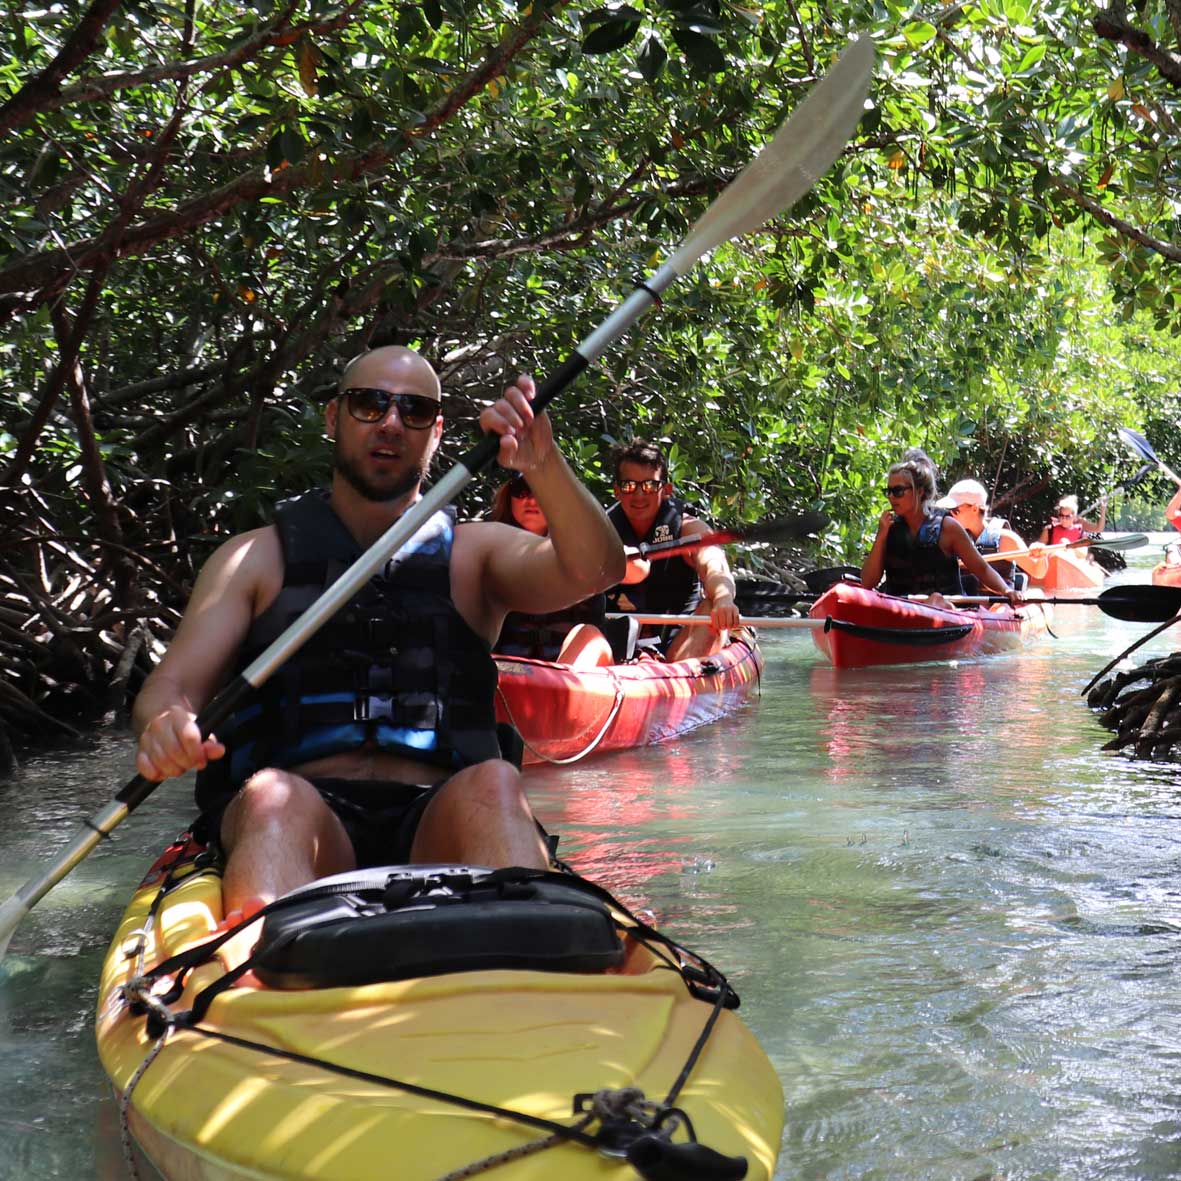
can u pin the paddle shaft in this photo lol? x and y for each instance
(704, 620)
(1167, 471)
(1131, 482)
(803, 148)
(1005, 555)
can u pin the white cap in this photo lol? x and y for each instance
(965, 492)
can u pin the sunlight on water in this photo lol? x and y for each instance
(953, 922)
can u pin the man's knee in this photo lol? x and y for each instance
(494, 783)
(273, 795)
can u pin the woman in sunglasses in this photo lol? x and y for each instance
(918, 547)
(1066, 525)
(571, 636)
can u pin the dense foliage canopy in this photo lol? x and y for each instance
(209, 206)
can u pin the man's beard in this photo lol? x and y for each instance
(378, 493)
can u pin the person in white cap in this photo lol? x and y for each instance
(967, 501)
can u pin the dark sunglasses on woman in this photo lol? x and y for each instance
(369, 405)
(519, 488)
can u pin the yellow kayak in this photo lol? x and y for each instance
(545, 1034)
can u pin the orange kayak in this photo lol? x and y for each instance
(864, 627)
(1166, 574)
(1070, 571)
(564, 714)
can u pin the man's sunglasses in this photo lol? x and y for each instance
(629, 486)
(897, 490)
(369, 405)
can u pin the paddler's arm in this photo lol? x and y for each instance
(1099, 525)
(582, 553)
(1035, 564)
(200, 657)
(875, 561)
(716, 580)
(953, 538)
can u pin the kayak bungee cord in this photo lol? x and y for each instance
(612, 713)
(630, 1125)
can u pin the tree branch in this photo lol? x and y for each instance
(280, 33)
(44, 88)
(1096, 209)
(1111, 26)
(34, 279)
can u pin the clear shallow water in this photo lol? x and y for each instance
(955, 925)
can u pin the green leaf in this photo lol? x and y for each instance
(702, 53)
(607, 38)
(919, 33)
(652, 58)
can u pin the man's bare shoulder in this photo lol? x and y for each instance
(249, 563)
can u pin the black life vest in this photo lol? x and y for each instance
(540, 637)
(397, 666)
(914, 563)
(672, 586)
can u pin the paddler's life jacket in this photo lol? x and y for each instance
(397, 666)
(540, 637)
(1060, 534)
(672, 586)
(989, 542)
(914, 563)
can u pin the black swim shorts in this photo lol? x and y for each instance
(380, 816)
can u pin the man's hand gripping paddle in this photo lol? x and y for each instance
(803, 149)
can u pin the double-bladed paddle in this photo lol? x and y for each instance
(1128, 541)
(782, 531)
(1137, 603)
(802, 150)
(1142, 449)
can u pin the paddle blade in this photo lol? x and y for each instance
(802, 151)
(821, 580)
(1127, 541)
(1140, 604)
(1138, 444)
(1146, 470)
(784, 530)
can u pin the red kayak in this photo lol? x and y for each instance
(565, 714)
(866, 627)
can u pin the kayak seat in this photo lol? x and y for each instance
(402, 922)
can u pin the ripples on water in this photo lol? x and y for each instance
(954, 924)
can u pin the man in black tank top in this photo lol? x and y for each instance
(700, 581)
(377, 738)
